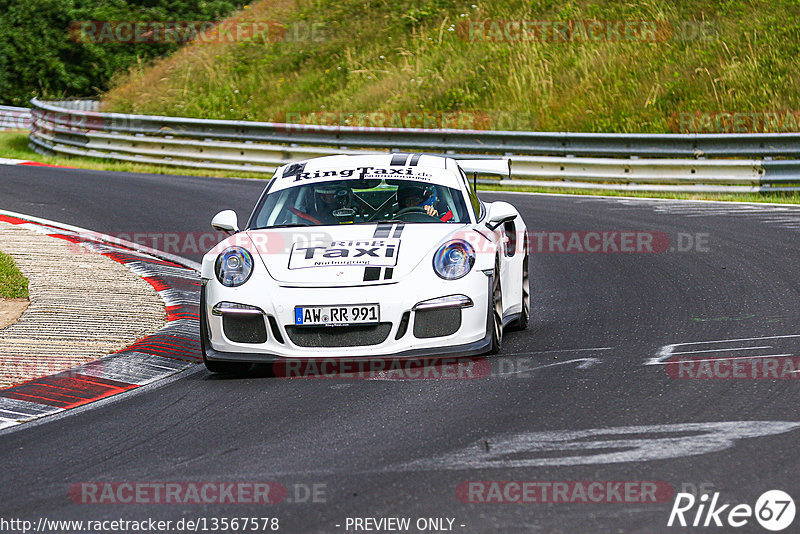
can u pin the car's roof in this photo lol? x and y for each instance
(421, 167)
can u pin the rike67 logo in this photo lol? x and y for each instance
(774, 510)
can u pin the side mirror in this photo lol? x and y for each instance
(225, 221)
(500, 213)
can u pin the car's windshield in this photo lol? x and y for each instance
(359, 202)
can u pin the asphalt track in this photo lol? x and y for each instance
(401, 447)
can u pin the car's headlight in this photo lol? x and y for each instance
(454, 260)
(234, 266)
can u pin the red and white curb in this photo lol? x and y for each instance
(173, 348)
(8, 161)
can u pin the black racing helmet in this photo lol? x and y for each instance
(406, 191)
(331, 196)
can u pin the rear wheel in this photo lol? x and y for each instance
(497, 311)
(525, 314)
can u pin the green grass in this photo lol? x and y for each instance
(12, 284)
(410, 56)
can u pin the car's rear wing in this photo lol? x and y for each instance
(498, 166)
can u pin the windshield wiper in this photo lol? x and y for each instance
(381, 221)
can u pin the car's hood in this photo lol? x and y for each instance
(325, 256)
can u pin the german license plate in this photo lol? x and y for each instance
(337, 315)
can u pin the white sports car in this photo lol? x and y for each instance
(362, 256)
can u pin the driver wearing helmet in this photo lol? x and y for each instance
(328, 198)
(422, 196)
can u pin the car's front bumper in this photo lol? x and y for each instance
(473, 335)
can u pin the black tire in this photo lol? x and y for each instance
(224, 368)
(525, 314)
(496, 311)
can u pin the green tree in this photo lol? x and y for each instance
(38, 57)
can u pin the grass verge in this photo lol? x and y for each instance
(13, 285)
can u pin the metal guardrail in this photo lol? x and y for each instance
(673, 161)
(13, 118)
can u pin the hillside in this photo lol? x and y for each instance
(557, 65)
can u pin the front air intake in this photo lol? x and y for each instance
(245, 328)
(436, 323)
(339, 336)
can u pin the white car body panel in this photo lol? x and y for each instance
(412, 246)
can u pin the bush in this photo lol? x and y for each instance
(38, 57)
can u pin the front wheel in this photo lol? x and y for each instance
(497, 312)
